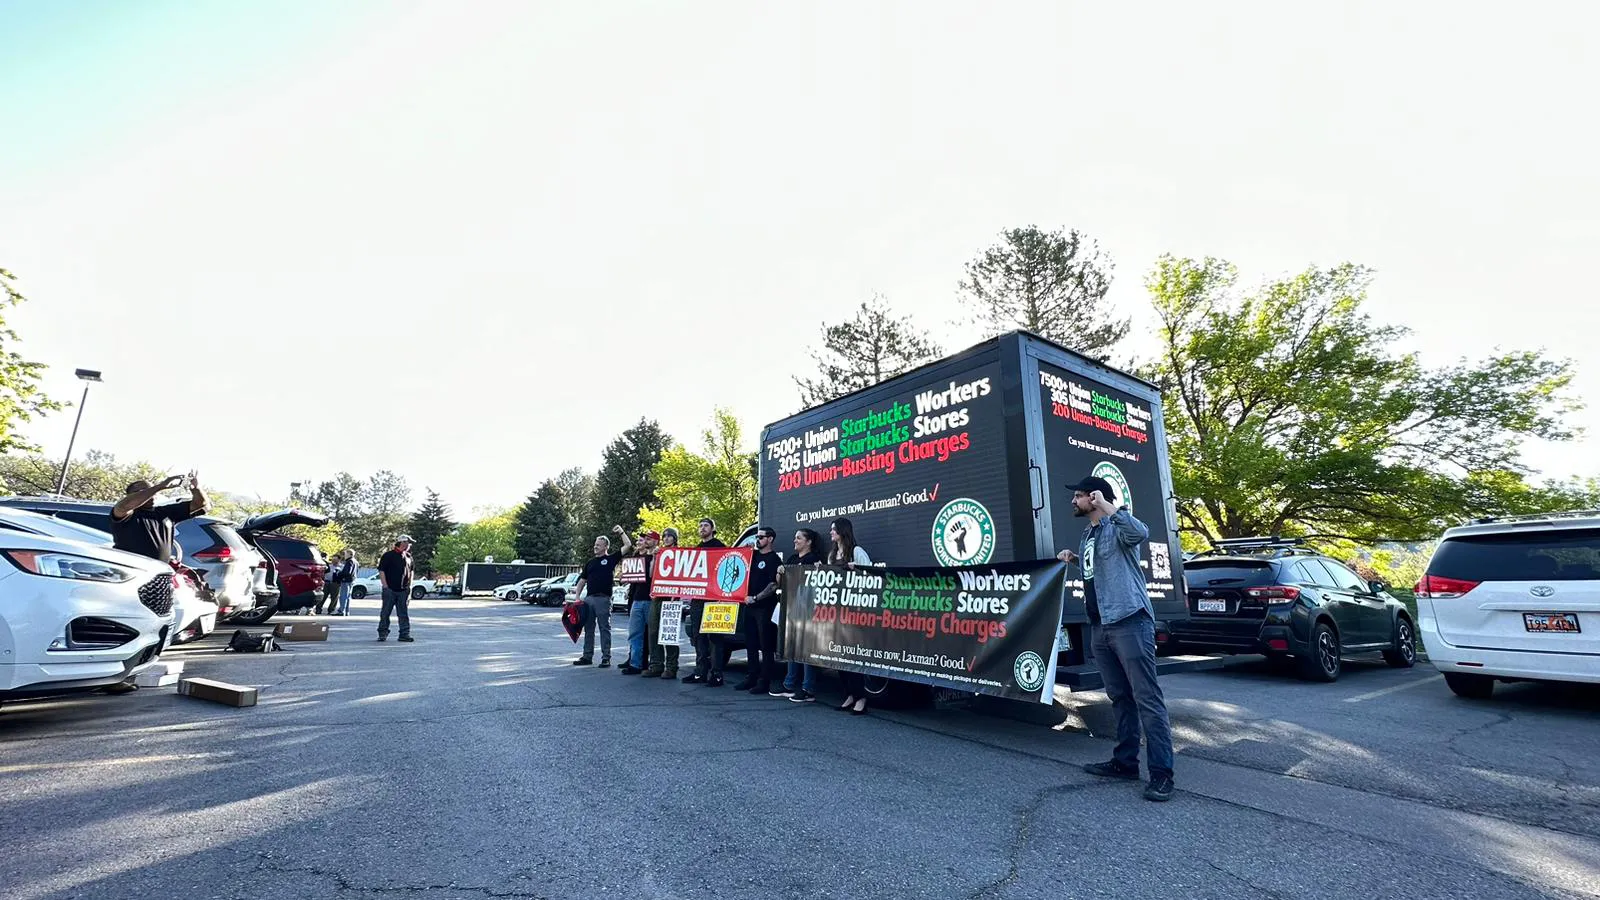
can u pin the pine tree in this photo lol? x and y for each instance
(875, 345)
(427, 526)
(626, 482)
(543, 529)
(1052, 283)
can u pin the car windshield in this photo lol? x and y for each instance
(57, 528)
(1227, 572)
(1552, 555)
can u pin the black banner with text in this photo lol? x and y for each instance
(982, 629)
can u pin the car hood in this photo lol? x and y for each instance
(21, 541)
(281, 519)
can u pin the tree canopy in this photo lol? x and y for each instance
(717, 483)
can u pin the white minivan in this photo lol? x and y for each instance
(1514, 599)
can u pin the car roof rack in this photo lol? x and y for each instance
(1537, 517)
(1275, 546)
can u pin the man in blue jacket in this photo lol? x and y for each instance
(1124, 643)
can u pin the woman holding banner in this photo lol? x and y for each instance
(846, 552)
(801, 681)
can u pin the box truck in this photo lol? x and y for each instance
(968, 460)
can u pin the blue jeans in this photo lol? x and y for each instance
(344, 598)
(398, 602)
(638, 628)
(802, 676)
(1125, 653)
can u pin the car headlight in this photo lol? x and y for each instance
(67, 565)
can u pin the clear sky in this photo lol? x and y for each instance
(471, 242)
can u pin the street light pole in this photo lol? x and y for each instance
(87, 376)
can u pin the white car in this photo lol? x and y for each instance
(77, 617)
(1514, 599)
(372, 585)
(520, 589)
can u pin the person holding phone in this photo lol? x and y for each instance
(139, 526)
(1124, 627)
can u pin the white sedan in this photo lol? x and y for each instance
(77, 617)
(373, 585)
(519, 590)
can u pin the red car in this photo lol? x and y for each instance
(302, 570)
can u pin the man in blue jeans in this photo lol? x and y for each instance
(395, 570)
(1124, 643)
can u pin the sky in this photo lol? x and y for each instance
(472, 242)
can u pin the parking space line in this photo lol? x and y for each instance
(1373, 695)
(96, 763)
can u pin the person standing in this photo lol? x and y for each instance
(663, 659)
(800, 681)
(755, 617)
(346, 578)
(639, 608)
(394, 570)
(594, 588)
(139, 526)
(1124, 643)
(707, 659)
(846, 552)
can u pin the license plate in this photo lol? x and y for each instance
(1556, 623)
(1212, 605)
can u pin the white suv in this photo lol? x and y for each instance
(1514, 599)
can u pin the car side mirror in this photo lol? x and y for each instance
(1378, 587)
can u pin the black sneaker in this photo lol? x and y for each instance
(1113, 769)
(629, 670)
(583, 661)
(1159, 789)
(605, 664)
(382, 638)
(408, 639)
(760, 688)
(745, 685)
(694, 679)
(714, 681)
(802, 697)
(781, 691)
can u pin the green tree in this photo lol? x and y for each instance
(95, 475)
(1052, 283)
(490, 536)
(874, 345)
(329, 538)
(20, 396)
(716, 483)
(427, 527)
(340, 497)
(1288, 411)
(543, 531)
(626, 482)
(577, 500)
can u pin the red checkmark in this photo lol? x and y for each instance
(935, 492)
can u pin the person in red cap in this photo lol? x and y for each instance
(639, 608)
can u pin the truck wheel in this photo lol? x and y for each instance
(358, 593)
(418, 592)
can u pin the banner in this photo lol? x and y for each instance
(708, 573)
(633, 569)
(671, 628)
(719, 618)
(979, 629)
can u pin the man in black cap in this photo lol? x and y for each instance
(1124, 643)
(139, 526)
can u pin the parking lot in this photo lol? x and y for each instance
(452, 768)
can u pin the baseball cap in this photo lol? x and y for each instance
(404, 539)
(1091, 484)
(651, 535)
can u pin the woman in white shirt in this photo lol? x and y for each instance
(846, 552)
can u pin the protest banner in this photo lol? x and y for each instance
(633, 569)
(702, 573)
(981, 629)
(719, 618)
(671, 627)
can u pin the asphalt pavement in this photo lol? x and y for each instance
(477, 763)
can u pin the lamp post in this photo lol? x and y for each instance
(87, 376)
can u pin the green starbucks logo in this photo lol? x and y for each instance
(1118, 482)
(963, 534)
(1030, 671)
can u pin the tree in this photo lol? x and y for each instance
(379, 516)
(1288, 412)
(491, 536)
(94, 476)
(20, 396)
(577, 499)
(717, 483)
(543, 531)
(427, 526)
(1052, 283)
(341, 497)
(386, 494)
(873, 346)
(329, 538)
(626, 482)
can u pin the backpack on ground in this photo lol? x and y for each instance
(252, 642)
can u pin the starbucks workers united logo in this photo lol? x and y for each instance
(963, 534)
(1119, 482)
(1029, 670)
